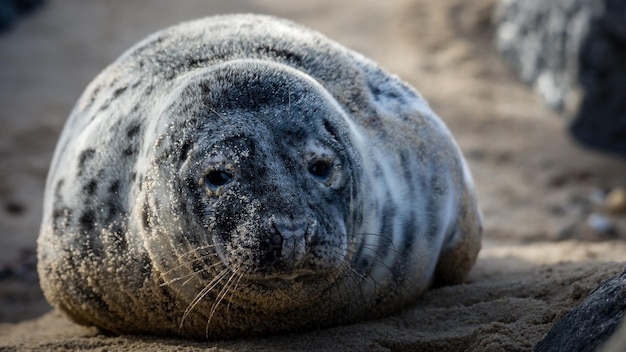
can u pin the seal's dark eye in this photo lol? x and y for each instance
(218, 178)
(320, 169)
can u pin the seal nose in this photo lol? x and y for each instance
(293, 238)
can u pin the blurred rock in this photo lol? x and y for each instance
(566, 232)
(597, 197)
(11, 10)
(574, 53)
(615, 201)
(541, 40)
(600, 224)
(24, 268)
(589, 325)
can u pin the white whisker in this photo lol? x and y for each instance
(218, 300)
(188, 276)
(202, 294)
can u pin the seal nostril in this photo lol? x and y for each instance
(292, 241)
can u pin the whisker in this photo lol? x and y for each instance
(219, 298)
(196, 249)
(377, 257)
(362, 276)
(187, 275)
(204, 257)
(357, 284)
(216, 113)
(232, 293)
(350, 283)
(375, 247)
(194, 274)
(339, 284)
(289, 102)
(190, 277)
(221, 295)
(388, 238)
(202, 294)
(344, 266)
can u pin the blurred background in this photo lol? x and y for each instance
(512, 80)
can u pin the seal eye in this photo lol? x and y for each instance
(217, 178)
(320, 169)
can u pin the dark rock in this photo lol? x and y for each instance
(574, 53)
(11, 10)
(541, 40)
(601, 118)
(589, 325)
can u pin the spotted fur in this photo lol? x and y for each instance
(239, 175)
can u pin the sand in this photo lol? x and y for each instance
(536, 187)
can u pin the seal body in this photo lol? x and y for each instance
(241, 174)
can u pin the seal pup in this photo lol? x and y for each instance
(241, 174)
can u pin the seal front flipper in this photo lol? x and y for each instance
(459, 253)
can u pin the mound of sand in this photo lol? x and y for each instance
(505, 310)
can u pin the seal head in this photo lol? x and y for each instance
(263, 174)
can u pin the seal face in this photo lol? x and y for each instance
(241, 174)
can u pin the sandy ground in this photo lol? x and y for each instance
(537, 188)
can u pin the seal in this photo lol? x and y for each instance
(240, 175)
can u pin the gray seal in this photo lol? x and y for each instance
(239, 175)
